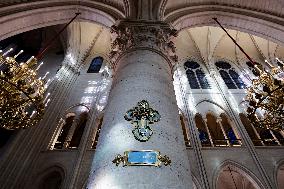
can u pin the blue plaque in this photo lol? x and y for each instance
(144, 157)
(141, 158)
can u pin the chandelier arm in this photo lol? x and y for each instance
(27, 95)
(261, 100)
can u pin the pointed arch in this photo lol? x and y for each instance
(279, 174)
(232, 135)
(229, 75)
(215, 129)
(214, 103)
(95, 65)
(51, 178)
(79, 131)
(63, 130)
(231, 173)
(196, 184)
(261, 136)
(196, 75)
(203, 133)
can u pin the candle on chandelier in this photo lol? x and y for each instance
(39, 66)
(47, 102)
(7, 52)
(21, 51)
(29, 61)
(280, 61)
(270, 65)
(45, 75)
(48, 94)
(255, 66)
(33, 113)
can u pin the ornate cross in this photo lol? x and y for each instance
(140, 117)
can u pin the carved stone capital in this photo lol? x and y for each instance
(155, 35)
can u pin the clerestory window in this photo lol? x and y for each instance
(196, 76)
(96, 65)
(229, 75)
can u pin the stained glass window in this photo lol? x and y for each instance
(229, 75)
(203, 136)
(96, 65)
(195, 75)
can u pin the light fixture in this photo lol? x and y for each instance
(22, 100)
(265, 99)
(21, 93)
(265, 96)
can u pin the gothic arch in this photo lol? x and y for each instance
(73, 107)
(235, 78)
(39, 16)
(53, 175)
(196, 184)
(260, 24)
(239, 170)
(214, 103)
(279, 174)
(225, 59)
(162, 9)
(106, 61)
(193, 58)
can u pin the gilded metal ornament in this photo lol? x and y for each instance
(119, 159)
(140, 117)
(265, 99)
(165, 159)
(21, 93)
(265, 96)
(142, 158)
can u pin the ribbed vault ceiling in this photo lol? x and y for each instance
(268, 6)
(208, 43)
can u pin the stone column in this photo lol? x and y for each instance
(144, 54)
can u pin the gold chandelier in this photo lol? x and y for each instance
(21, 93)
(22, 101)
(265, 99)
(265, 96)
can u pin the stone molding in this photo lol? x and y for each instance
(129, 35)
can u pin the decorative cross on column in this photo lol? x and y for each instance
(141, 116)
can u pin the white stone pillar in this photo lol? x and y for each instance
(143, 72)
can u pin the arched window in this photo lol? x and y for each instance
(51, 178)
(52, 181)
(216, 131)
(185, 131)
(260, 136)
(252, 132)
(280, 176)
(202, 131)
(78, 132)
(63, 132)
(229, 75)
(96, 138)
(95, 65)
(279, 135)
(267, 137)
(232, 137)
(195, 75)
